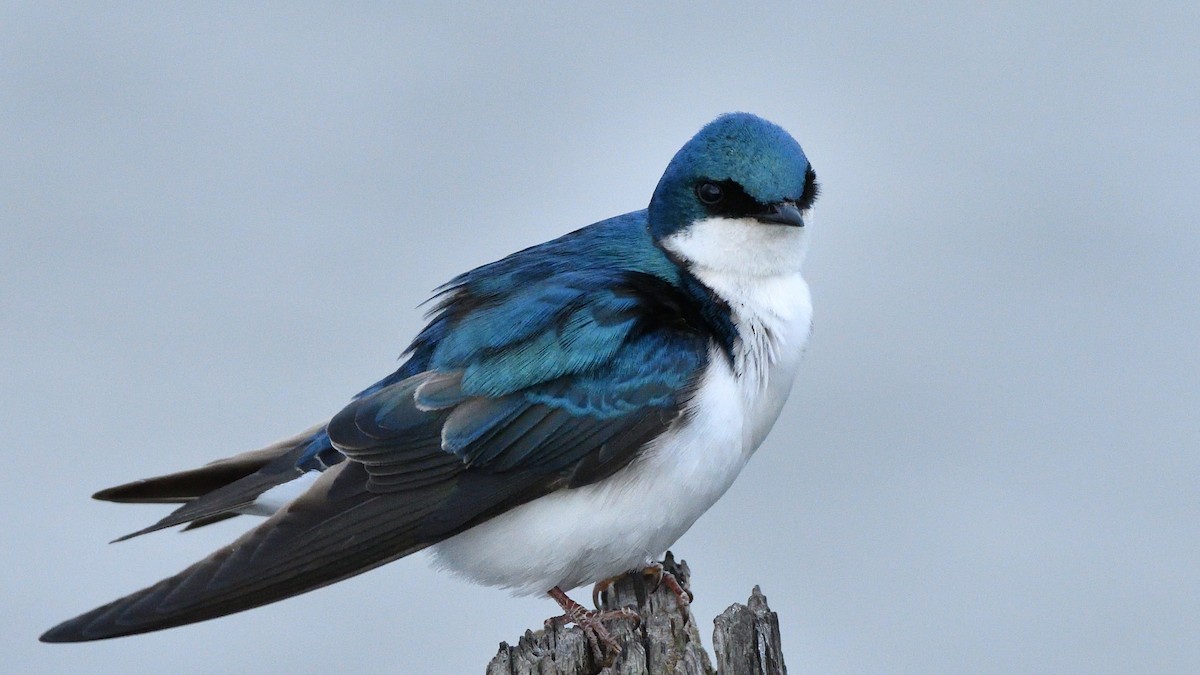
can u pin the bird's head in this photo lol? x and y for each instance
(737, 195)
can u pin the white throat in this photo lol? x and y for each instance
(742, 247)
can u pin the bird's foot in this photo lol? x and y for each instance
(658, 576)
(662, 577)
(604, 647)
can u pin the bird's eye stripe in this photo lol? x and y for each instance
(733, 202)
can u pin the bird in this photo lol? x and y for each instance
(566, 414)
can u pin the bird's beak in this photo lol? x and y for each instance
(782, 213)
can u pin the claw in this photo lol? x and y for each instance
(605, 648)
(599, 589)
(662, 577)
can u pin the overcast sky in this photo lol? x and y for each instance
(218, 222)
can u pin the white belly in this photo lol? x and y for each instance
(580, 536)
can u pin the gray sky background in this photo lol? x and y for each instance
(217, 223)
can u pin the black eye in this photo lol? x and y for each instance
(709, 193)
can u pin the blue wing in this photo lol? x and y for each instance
(565, 378)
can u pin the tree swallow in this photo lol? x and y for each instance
(565, 416)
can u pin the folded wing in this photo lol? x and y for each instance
(564, 396)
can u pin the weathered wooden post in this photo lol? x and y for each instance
(666, 642)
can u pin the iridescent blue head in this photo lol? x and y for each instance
(738, 166)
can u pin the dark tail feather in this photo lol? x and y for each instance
(336, 530)
(184, 486)
(227, 500)
(218, 490)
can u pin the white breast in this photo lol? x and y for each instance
(773, 317)
(580, 536)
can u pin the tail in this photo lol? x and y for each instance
(219, 490)
(335, 530)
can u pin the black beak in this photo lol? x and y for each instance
(782, 213)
